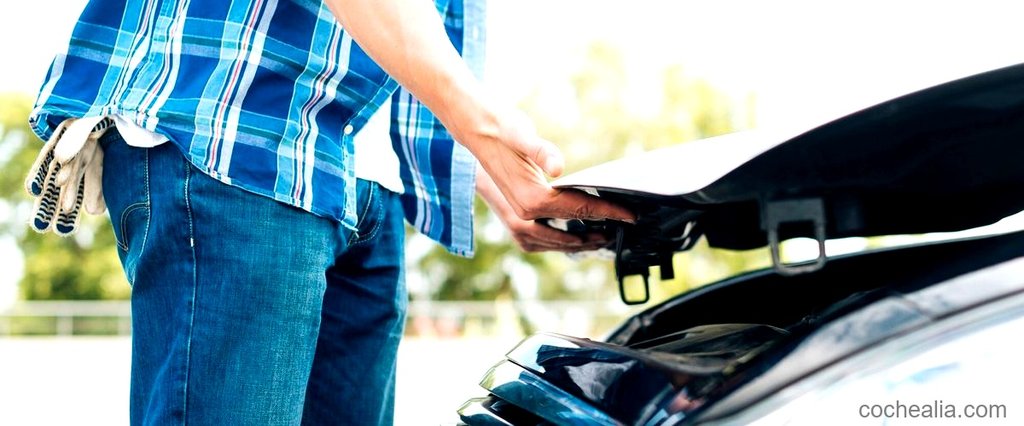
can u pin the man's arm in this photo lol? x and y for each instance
(407, 39)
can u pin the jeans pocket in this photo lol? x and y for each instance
(126, 192)
(371, 212)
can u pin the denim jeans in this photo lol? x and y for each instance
(247, 311)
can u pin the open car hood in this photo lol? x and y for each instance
(946, 158)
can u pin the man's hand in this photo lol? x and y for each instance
(407, 39)
(529, 235)
(517, 159)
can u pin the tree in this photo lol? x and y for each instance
(84, 266)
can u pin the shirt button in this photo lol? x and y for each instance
(348, 129)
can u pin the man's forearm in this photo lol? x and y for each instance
(407, 38)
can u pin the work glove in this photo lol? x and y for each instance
(67, 174)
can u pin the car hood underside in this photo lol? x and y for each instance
(946, 158)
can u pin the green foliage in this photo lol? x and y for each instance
(84, 266)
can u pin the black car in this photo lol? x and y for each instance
(926, 331)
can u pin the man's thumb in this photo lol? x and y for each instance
(536, 149)
(549, 158)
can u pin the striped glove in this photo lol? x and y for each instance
(67, 174)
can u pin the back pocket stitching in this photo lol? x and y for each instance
(124, 225)
(371, 198)
(376, 226)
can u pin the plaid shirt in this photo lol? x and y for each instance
(266, 95)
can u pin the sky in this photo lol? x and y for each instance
(804, 61)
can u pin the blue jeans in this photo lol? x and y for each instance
(247, 311)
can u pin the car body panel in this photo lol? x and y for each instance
(945, 158)
(860, 301)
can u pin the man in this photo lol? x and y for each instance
(261, 233)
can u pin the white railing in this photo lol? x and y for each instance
(64, 315)
(70, 318)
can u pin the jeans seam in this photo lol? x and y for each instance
(376, 225)
(370, 199)
(149, 215)
(195, 285)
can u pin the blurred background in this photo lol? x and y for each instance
(602, 79)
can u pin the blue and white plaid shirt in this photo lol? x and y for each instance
(266, 95)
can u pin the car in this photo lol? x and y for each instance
(922, 331)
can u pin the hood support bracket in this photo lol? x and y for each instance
(622, 271)
(792, 212)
